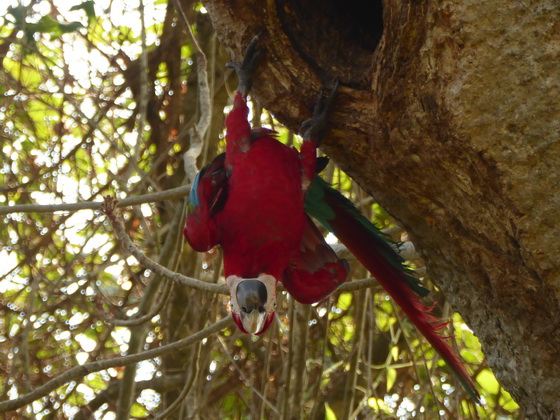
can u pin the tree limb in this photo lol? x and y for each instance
(83, 370)
(187, 387)
(169, 256)
(138, 319)
(160, 384)
(109, 209)
(199, 131)
(170, 194)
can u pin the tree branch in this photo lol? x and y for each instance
(357, 285)
(168, 257)
(184, 392)
(83, 370)
(299, 368)
(199, 131)
(109, 209)
(246, 380)
(138, 319)
(158, 384)
(170, 194)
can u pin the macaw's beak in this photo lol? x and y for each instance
(252, 297)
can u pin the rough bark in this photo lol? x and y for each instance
(452, 124)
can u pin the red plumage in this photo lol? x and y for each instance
(315, 271)
(262, 221)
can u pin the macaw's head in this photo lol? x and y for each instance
(253, 302)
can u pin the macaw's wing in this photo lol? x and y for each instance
(374, 251)
(372, 247)
(316, 270)
(208, 196)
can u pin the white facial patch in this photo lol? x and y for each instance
(270, 283)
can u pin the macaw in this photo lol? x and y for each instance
(256, 200)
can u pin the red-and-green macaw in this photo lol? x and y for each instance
(256, 199)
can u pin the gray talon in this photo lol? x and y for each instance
(246, 69)
(314, 127)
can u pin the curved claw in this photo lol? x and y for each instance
(313, 128)
(246, 69)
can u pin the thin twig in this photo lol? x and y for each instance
(198, 132)
(244, 378)
(133, 321)
(360, 329)
(266, 371)
(358, 302)
(24, 348)
(93, 123)
(142, 105)
(357, 285)
(159, 384)
(412, 353)
(288, 363)
(184, 392)
(170, 194)
(299, 371)
(83, 370)
(168, 257)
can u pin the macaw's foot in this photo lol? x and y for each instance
(246, 69)
(313, 128)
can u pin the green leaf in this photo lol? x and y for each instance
(470, 356)
(138, 411)
(18, 14)
(507, 402)
(45, 25)
(379, 405)
(66, 28)
(329, 413)
(88, 7)
(344, 301)
(395, 353)
(488, 382)
(391, 378)
(49, 26)
(96, 382)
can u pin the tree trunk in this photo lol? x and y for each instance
(451, 121)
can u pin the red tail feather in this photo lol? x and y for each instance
(360, 242)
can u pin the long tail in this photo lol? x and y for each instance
(372, 248)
